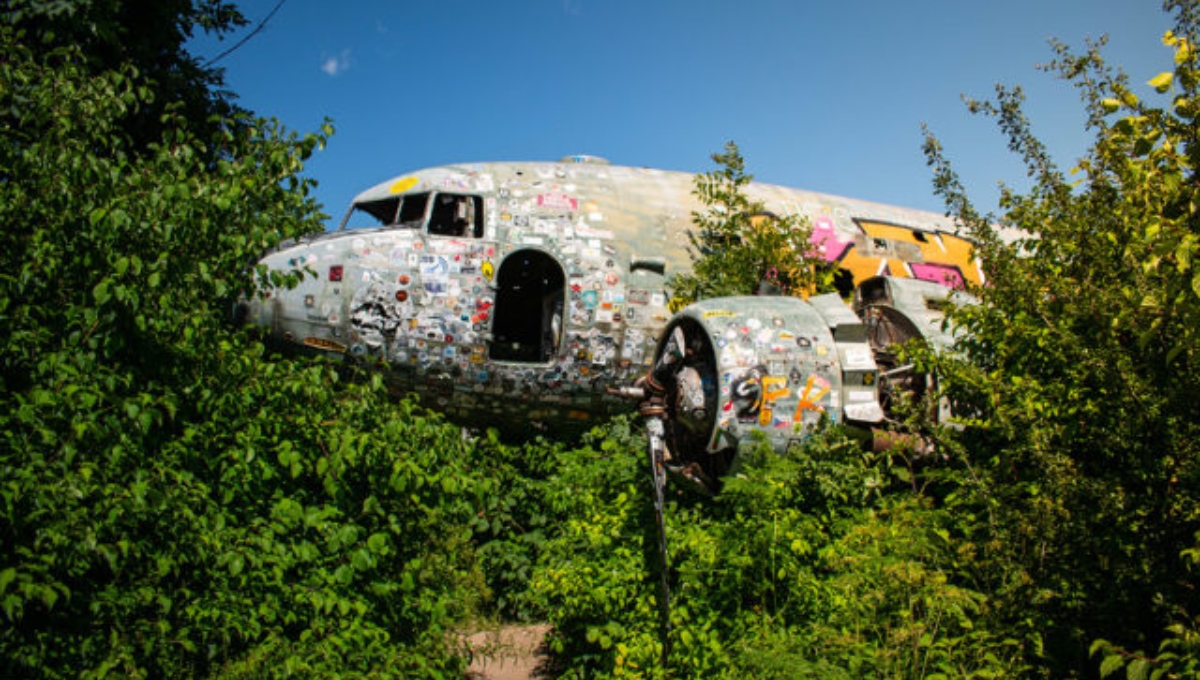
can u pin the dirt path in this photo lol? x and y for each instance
(508, 653)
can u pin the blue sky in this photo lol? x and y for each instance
(821, 95)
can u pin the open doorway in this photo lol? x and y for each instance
(527, 319)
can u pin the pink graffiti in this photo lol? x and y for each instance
(828, 246)
(945, 274)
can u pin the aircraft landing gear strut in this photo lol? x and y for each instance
(653, 411)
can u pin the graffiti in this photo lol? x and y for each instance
(810, 400)
(891, 250)
(773, 388)
(747, 393)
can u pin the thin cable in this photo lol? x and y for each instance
(262, 24)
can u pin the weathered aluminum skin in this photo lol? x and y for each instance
(602, 239)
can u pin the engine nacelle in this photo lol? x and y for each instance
(734, 367)
(731, 370)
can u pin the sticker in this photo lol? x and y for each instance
(435, 265)
(488, 269)
(403, 185)
(557, 202)
(858, 358)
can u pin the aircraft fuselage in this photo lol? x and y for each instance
(518, 294)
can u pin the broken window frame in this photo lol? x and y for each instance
(420, 211)
(466, 220)
(389, 212)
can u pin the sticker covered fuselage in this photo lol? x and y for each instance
(517, 294)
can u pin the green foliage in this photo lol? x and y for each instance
(1039, 535)
(147, 36)
(1178, 653)
(514, 522)
(593, 579)
(1080, 364)
(175, 501)
(818, 564)
(738, 247)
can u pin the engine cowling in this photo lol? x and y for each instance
(739, 368)
(729, 371)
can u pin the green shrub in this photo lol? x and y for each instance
(175, 501)
(824, 556)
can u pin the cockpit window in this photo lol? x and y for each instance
(456, 215)
(459, 215)
(412, 210)
(406, 211)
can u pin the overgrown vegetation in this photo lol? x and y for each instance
(738, 247)
(816, 564)
(1054, 536)
(1082, 364)
(176, 500)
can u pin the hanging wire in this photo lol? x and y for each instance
(257, 29)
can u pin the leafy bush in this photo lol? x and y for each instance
(739, 248)
(175, 501)
(818, 564)
(513, 521)
(1080, 364)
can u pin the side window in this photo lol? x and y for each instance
(456, 215)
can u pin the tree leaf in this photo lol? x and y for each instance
(1161, 81)
(1139, 669)
(1111, 664)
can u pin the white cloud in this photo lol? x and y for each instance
(335, 65)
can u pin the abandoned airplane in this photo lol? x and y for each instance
(532, 295)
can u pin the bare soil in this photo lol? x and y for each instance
(508, 653)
